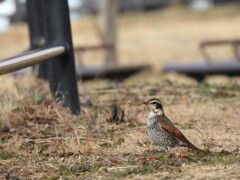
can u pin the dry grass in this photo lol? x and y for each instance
(41, 140)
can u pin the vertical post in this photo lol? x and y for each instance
(61, 70)
(108, 11)
(36, 25)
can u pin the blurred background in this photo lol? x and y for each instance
(152, 32)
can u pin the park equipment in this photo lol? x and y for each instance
(111, 69)
(50, 39)
(51, 50)
(199, 70)
(106, 31)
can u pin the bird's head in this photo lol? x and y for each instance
(155, 106)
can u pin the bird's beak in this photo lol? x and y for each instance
(145, 103)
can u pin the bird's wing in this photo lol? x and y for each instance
(166, 124)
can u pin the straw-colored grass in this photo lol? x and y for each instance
(41, 140)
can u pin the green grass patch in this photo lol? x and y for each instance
(5, 156)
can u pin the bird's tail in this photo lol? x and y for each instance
(190, 145)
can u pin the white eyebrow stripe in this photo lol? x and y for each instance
(155, 101)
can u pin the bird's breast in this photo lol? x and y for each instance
(151, 114)
(150, 121)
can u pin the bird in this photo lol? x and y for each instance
(162, 131)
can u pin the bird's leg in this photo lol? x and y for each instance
(168, 151)
(169, 148)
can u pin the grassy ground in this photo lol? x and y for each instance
(41, 140)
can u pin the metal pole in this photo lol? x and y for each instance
(61, 70)
(30, 58)
(36, 25)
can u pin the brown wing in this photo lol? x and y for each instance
(171, 129)
(166, 124)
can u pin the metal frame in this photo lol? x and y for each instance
(199, 70)
(49, 27)
(235, 43)
(37, 28)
